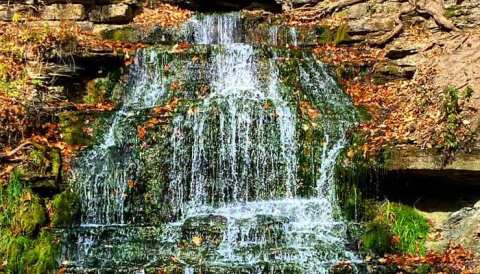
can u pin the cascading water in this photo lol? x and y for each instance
(235, 159)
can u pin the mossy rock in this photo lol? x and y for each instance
(127, 34)
(66, 209)
(81, 128)
(29, 216)
(41, 258)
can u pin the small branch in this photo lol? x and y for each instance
(14, 151)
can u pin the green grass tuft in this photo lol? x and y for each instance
(377, 238)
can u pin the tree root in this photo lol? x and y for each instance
(316, 12)
(384, 40)
(432, 8)
(435, 10)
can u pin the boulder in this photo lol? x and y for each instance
(462, 227)
(113, 14)
(74, 12)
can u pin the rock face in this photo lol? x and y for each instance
(119, 13)
(104, 12)
(462, 227)
(64, 12)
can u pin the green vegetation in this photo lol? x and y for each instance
(65, 207)
(405, 228)
(377, 238)
(25, 245)
(452, 113)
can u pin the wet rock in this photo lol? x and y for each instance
(343, 267)
(465, 14)
(75, 12)
(401, 51)
(114, 14)
(204, 230)
(77, 127)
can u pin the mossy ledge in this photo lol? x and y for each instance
(27, 242)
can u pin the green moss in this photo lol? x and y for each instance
(341, 34)
(377, 238)
(65, 208)
(22, 215)
(42, 257)
(454, 11)
(71, 126)
(13, 252)
(56, 159)
(29, 216)
(128, 34)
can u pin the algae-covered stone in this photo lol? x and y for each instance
(66, 209)
(80, 128)
(29, 216)
(207, 230)
(128, 34)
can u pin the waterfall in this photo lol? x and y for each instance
(101, 174)
(235, 153)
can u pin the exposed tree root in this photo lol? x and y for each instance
(435, 10)
(432, 8)
(317, 12)
(398, 28)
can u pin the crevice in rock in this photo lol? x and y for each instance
(431, 190)
(84, 69)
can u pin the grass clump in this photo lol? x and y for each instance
(377, 238)
(405, 228)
